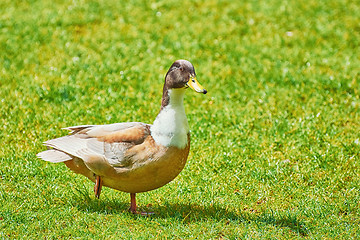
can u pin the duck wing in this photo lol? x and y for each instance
(98, 145)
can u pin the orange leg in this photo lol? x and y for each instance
(133, 203)
(133, 206)
(98, 186)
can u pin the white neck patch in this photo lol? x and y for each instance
(170, 127)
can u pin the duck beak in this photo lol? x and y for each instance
(195, 85)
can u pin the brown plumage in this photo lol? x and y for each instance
(133, 157)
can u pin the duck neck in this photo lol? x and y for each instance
(170, 127)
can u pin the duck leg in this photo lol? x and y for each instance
(133, 206)
(133, 203)
(98, 186)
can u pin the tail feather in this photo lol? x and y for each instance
(54, 156)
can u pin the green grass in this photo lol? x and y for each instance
(275, 142)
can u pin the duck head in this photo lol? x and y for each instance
(182, 75)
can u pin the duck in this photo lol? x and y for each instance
(133, 157)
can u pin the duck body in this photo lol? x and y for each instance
(133, 157)
(123, 162)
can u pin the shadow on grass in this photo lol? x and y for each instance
(185, 213)
(195, 212)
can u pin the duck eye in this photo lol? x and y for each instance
(193, 80)
(181, 68)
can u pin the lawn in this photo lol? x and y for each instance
(275, 143)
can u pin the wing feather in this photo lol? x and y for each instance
(54, 156)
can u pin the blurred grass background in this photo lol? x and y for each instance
(275, 142)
